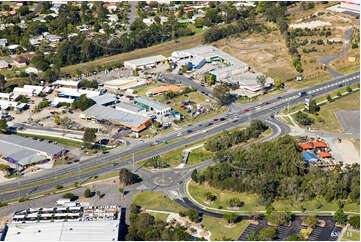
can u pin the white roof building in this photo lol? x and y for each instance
(6, 96)
(148, 21)
(66, 83)
(31, 70)
(59, 100)
(144, 62)
(75, 93)
(7, 104)
(4, 64)
(3, 42)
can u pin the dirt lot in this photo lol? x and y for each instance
(346, 152)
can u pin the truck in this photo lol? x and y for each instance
(63, 201)
(301, 94)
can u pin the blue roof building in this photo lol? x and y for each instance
(310, 157)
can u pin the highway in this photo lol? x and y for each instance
(187, 135)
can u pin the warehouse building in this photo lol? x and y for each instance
(6, 96)
(25, 152)
(129, 107)
(28, 90)
(58, 100)
(105, 100)
(66, 83)
(76, 93)
(129, 120)
(143, 63)
(152, 105)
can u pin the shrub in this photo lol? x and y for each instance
(58, 187)
(87, 193)
(355, 221)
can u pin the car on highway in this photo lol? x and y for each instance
(340, 85)
(71, 112)
(222, 119)
(278, 98)
(246, 110)
(215, 120)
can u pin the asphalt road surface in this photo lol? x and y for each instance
(191, 134)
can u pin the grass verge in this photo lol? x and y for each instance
(220, 231)
(157, 201)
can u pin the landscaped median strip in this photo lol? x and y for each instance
(251, 211)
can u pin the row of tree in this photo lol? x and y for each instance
(228, 139)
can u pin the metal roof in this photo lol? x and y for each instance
(117, 116)
(151, 103)
(129, 106)
(146, 60)
(27, 143)
(105, 99)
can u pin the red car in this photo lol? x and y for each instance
(215, 120)
(246, 110)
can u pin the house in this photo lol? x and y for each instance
(53, 38)
(111, 7)
(148, 21)
(36, 40)
(20, 61)
(72, 35)
(39, 19)
(143, 63)
(31, 70)
(194, 18)
(4, 64)
(112, 17)
(3, 43)
(152, 105)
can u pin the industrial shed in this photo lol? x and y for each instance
(152, 105)
(130, 120)
(145, 62)
(25, 151)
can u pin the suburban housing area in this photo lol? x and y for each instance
(180, 120)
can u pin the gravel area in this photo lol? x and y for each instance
(349, 120)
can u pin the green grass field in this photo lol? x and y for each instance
(351, 234)
(63, 141)
(160, 216)
(157, 201)
(219, 230)
(252, 201)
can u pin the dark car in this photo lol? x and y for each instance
(246, 110)
(340, 85)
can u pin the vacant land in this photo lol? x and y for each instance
(251, 202)
(157, 201)
(161, 49)
(327, 112)
(221, 231)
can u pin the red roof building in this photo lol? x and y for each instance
(319, 144)
(324, 155)
(305, 146)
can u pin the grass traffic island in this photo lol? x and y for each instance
(220, 229)
(251, 202)
(157, 201)
(351, 234)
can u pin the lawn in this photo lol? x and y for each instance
(351, 234)
(217, 226)
(327, 112)
(157, 201)
(160, 216)
(251, 201)
(198, 155)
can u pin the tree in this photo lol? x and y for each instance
(295, 237)
(69, 195)
(329, 98)
(89, 136)
(340, 216)
(58, 187)
(57, 119)
(98, 194)
(87, 193)
(210, 196)
(348, 89)
(3, 126)
(2, 82)
(278, 83)
(193, 215)
(354, 221)
(230, 218)
(267, 234)
(261, 80)
(221, 92)
(126, 177)
(83, 103)
(234, 202)
(194, 175)
(313, 108)
(311, 221)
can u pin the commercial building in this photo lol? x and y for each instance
(226, 69)
(152, 105)
(59, 100)
(6, 96)
(105, 100)
(129, 120)
(65, 224)
(310, 157)
(28, 90)
(4, 104)
(76, 93)
(144, 63)
(25, 151)
(66, 83)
